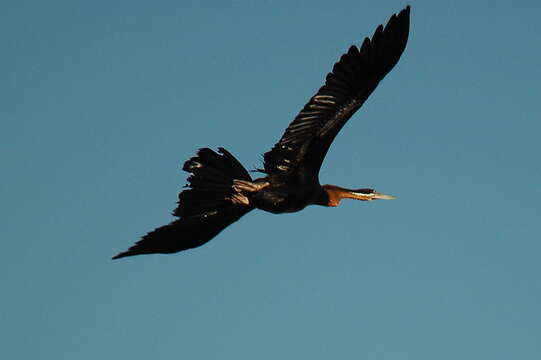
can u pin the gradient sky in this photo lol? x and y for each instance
(102, 101)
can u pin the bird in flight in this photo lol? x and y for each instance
(220, 190)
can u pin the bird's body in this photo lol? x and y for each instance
(285, 193)
(221, 190)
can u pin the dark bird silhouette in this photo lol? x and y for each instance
(220, 190)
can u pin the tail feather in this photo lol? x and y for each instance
(210, 183)
(204, 208)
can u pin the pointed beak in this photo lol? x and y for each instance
(383, 197)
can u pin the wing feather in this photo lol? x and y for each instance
(353, 78)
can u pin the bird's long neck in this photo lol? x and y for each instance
(332, 195)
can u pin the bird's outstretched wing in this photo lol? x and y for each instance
(308, 138)
(204, 209)
(186, 233)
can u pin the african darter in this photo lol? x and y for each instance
(220, 190)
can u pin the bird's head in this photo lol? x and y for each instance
(335, 193)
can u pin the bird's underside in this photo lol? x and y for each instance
(220, 190)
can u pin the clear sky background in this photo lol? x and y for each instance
(102, 101)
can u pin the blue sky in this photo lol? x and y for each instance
(103, 101)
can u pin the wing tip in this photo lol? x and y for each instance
(119, 255)
(122, 254)
(133, 250)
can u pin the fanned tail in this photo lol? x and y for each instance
(205, 209)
